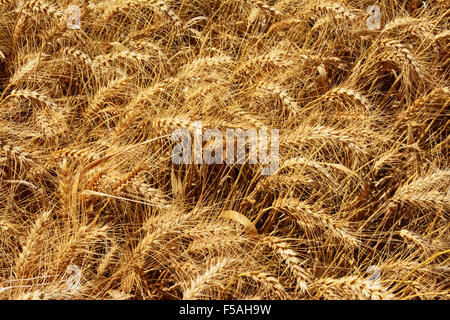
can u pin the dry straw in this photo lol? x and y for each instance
(87, 178)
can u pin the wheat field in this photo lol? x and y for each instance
(92, 205)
